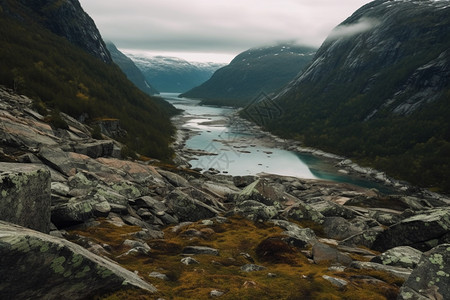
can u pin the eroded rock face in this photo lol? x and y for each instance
(36, 266)
(430, 280)
(25, 195)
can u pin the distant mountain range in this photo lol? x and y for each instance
(172, 74)
(264, 69)
(378, 90)
(130, 69)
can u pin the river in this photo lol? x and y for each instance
(219, 140)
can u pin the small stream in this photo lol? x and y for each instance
(225, 143)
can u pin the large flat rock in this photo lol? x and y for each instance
(25, 195)
(39, 266)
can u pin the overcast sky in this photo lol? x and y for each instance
(215, 30)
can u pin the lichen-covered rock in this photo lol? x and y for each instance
(295, 235)
(430, 280)
(365, 238)
(25, 195)
(252, 268)
(186, 208)
(302, 211)
(339, 228)
(39, 266)
(255, 211)
(262, 191)
(402, 256)
(421, 231)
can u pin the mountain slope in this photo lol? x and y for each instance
(254, 71)
(378, 90)
(172, 74)
(129, 68)
(61, 76)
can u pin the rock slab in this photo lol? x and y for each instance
(39, 266)
(25, 195)
(430, 280)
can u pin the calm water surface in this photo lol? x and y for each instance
(235, 150)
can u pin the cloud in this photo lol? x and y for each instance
(221, 26)
(349, 30)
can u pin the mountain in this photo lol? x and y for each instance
(129, 68)
(52, 52)
(173, 74)
(254, 71)
(378, 90)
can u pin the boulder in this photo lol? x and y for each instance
(295, 235)
(196, 250)
(79, 209)
(403, 256)
(40, 266)
(324, 253)
(94, 149)
(301, 211)
(243, 181)
(252, 268)
(365, 238)
(422, 231)
(395, 271)
(25, 195)
(174, 179)
(430, 280)
(262, 191)
(329, 208)
(255, 211)
(339, 228)
(337, 282)
(186, 208)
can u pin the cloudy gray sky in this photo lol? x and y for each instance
(215, 30)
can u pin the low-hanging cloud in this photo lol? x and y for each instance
(349, 30)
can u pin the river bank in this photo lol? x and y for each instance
(323, 165)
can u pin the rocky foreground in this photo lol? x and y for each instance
(80, 222)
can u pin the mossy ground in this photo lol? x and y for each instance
(296, 276)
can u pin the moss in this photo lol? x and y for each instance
(76, 260)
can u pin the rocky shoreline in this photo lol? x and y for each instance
(128, 217)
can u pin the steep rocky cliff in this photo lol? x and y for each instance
(130, 69)
(378, 89)
(64, 18)
(256, 70)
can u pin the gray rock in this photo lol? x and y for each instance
(301, 211)
(243, 181)
(331, 209)
(255, 211)
(252, 268)
(418, 231)
(46, 267)
(159, 276)
(396, 271)
(94, 149)
(174, 179)
(430, 280)
(295, 235)
(186, 208)
(216, 293)
(402, 256)
(339, 228)
(365, 238)
(262, 191)
(324, 253)
(25, 195)
(338, 282)
(200, 250)
(189, 261)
